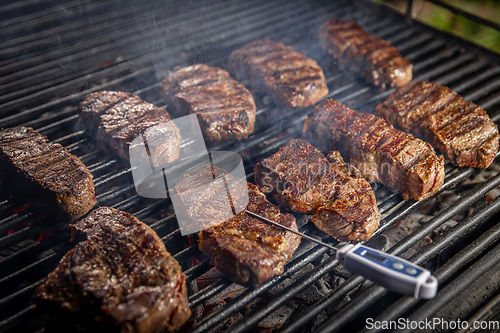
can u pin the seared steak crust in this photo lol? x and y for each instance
(121, 273)
(245, 249)
(225, 108)
(45, 173)
(375, 60)
(289, 77)
(119, 118)
(302, 179)
(461, 130)
(381, 152)
(96, 104)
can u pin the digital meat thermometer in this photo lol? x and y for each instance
(391, 272)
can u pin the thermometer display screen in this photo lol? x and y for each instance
(374, 256)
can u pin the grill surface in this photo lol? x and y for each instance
(53, 54)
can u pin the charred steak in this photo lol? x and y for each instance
(121, 274)
(289, 77)
(225, 108)
(461, 130)
(208, 196)
(245, 249)
(302, 179)
(381, 152)
(118, 118)
(45, 173)
(375, 60)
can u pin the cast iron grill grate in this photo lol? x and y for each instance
(52, 55)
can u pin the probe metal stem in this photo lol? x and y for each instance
(312, 239)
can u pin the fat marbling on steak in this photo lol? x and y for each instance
(45, 173)
(120, 274)
(225, 108)
(375, 60)
(381, 153)
(289, 77)
(244, 249)
(118, 118)
(302, 179)
(459, 129)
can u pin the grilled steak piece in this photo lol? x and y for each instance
(461, 130)
(381, 152)
(225, 108)
(289, 77)
(45, 173)
(245, 249)
(375, 60)
(302, 179)
(119, 118)
(121, 273)
(208, 196)
(98, 103)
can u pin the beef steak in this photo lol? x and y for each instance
(118, 118)
(302, 179)
(381, 153)
(289, 77)
(121, 273)
(459, 129)
(375, 60)
(45, 173)
(225, 108)
(245, 249)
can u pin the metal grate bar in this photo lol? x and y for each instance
(40, 266)
(115, 19)
(15, 301)
(270, 306)
(53, 88)
(468, 15)
(473, 250)
(30, 251)
(127, 38)
(142, 58)
(371, 295)
(196, 271)
(475, 271)
(20, 235)
(459, 206)
(249, 295)
(11, 323)
(110, 176)
(209, 291)
(11, 221)
(34, 112)
(31, 12)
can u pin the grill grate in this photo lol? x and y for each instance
(54, 54)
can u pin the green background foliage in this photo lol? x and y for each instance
(445, 20)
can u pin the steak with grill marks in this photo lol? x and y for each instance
(375, 60)
(302, 179)
(461, 130)
(381, 153)
(289, 77)
(98, 103)
(119, 274)
(45, 173)
(225, 108)
(243, 248)
(118, 118)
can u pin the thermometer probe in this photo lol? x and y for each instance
(391, 272)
